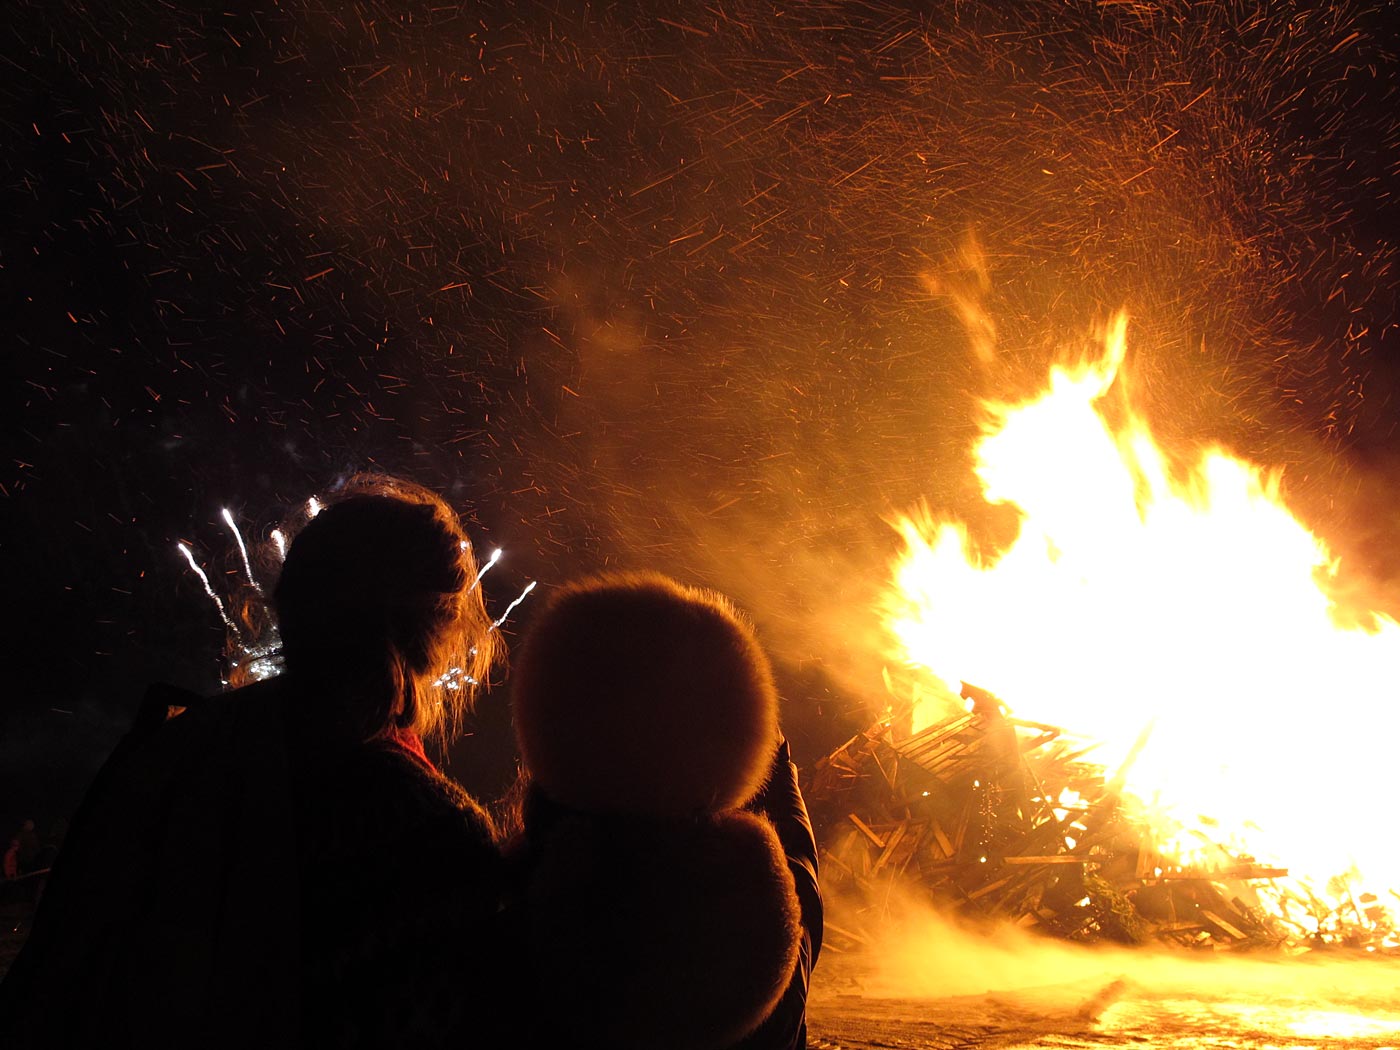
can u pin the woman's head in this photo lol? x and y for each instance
(376, 601)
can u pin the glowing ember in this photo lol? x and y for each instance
(1187, 601)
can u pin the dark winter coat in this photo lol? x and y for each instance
(231, 881)
(545, 1024)
(782, 803)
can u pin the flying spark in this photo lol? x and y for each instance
(495, 557)
(511, 607)
(209, 590)
(242, 550)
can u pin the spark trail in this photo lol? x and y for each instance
(208, 589)
(495, 557)
(242, 550)
(511, 607)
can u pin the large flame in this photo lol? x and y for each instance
(1186, 603)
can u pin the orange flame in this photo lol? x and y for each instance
(1190, 603)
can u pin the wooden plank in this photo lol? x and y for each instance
(895, 837)
(944, 843)
(1243, 871)
(888, 774)
(859, 938)
(866, 829)
(961, 833)
(1225, 927)
(989, 888)
(1050, 859)
(827, 855)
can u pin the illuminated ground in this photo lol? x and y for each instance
(1303, 1006)
(1321, 1008)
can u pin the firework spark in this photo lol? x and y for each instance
(242, 550)
(495, 557)
(208, 588)
(511, 607)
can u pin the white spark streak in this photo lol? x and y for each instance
(279, 540)
(242, 550)
(313, 507)
(495, 557)
(511, 607)
(209, 590)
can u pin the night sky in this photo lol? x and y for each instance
(638, 290)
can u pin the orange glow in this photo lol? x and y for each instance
(1185, 600)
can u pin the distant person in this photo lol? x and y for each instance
(666, 871)
(12, 868)
(275, 866)
(29, 847)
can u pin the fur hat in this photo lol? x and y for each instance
(662, 933)
(635, 694)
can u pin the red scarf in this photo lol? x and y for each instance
(410, 743)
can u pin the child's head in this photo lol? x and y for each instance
(636, 694)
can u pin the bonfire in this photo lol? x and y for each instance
(1183, 623)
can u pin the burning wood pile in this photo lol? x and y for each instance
(999, 817)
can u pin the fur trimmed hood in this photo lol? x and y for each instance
(635, 694)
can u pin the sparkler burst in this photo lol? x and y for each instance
(261, 657)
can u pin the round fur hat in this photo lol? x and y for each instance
(653, 933)
(635, 694)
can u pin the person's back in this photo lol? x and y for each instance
(654, 908)
(390, 855)
(153, 916)
(261, 870)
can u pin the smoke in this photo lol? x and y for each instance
(764, 354)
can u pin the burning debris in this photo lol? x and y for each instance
(1171, 604)
(1003, 818)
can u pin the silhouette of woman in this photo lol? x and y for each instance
(275, 866)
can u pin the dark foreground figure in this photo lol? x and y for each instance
(277, 867)
(665, 877)
(283, 866)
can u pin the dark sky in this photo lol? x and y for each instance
(651, 291)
